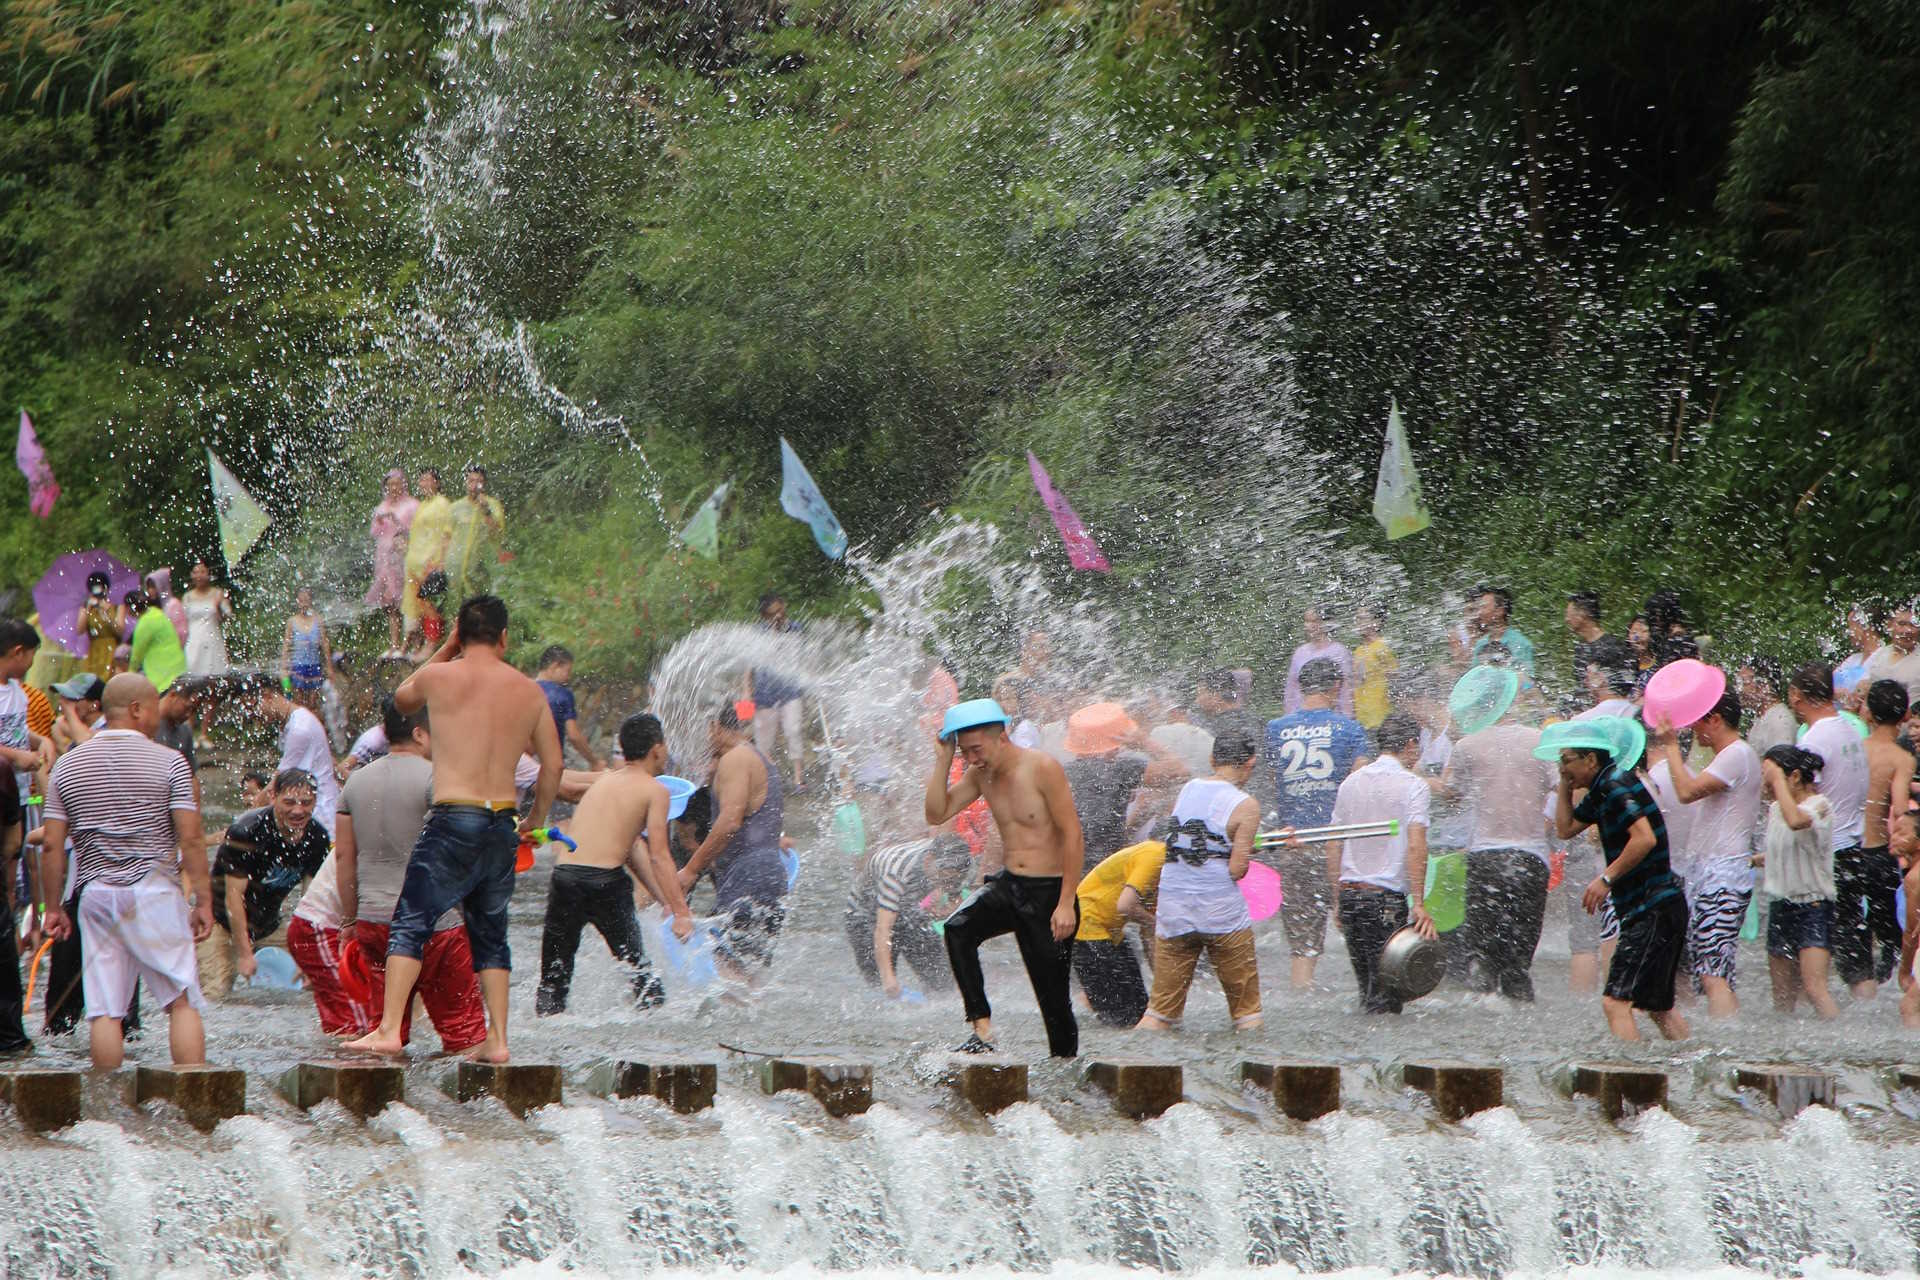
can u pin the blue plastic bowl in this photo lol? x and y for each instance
(679, 790)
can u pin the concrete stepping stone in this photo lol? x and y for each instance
(364, 1088)
(1302, 1090)
(1621, 1088)
(842, 1088)
(1140, 1089)
(988, 1081)
(1458, 1089)
(1790, 1088)
(522, 1086)
(206, 1095)
(685, 1086)
(45, 1098)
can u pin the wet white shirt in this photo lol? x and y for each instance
(1844, 779)
(1382, 790)
(1720, 838)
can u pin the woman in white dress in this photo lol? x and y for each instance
(208, 609)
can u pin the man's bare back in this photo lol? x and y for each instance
(1889, 772)
(606, 830)
(484, 713)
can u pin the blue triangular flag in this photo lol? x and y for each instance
(800, 498)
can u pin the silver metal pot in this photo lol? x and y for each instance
(1411, 966)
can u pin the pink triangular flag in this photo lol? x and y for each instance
(1082, 551)
(42, 489)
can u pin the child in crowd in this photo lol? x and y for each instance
(1799, 880)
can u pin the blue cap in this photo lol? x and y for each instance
(972, 715)
(1481, 697)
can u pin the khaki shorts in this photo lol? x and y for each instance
(1174, 960)
(216, 959)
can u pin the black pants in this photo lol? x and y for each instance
(13, 1032)
(1369, 917)
(602, 897)
(1022, 906)
(914, 942)
(1866, 884)
(1109, 972)
(1506, 908)
(66, 998)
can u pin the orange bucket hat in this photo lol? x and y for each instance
(1099, 728)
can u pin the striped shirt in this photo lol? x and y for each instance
(1614, 803)
(900, 876)
(117, 793)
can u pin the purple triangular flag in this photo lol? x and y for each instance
(42, 489)
(1082, 551)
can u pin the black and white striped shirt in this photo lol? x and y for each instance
(117, 793)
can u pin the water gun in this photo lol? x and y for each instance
(523, 859)
(1341, 831)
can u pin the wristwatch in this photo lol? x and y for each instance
(1606, 880)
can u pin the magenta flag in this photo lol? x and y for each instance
(1082, 551)
(42, 489)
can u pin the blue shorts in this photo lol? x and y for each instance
(1793, 927)
(306, 677)
(463, 858)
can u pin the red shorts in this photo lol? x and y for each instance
(447, 985)
(317, 952)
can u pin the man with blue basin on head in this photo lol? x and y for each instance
(1032, 896)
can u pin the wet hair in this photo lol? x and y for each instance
(1221, 683)
(1600, 756)
(950, 853)
(1873, 612)
(397, 724)
(483, 620)
(434, 585)
(1887, 702)
(291, 779)
(1814, 681)
(1766, 670)
(1792, 760)
(1397, 732)
(553, 654)
(474, 469)
(770, 599)
(1728, 708)
(639, 734)
(729, 719)
(1319, 676)
(255, 778)
(699, 813)
(1501, 596)
(432, 471)
(1662, 611)
(15, 634)
(98, 577)
(1586, 603)
(1236, 742)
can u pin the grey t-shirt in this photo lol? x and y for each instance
(388, 802)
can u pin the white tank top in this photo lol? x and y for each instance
(1206, 898)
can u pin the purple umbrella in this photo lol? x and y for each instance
(62, 589)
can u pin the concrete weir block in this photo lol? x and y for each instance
(843, 1088)
(1621, 1088)
(1458, 1089)
(1302, 1090)
(45, 1099)
(523, 1086)
(363, 1088)
(1792, 1089)
(685, 1086)
(1139, 1089)
(205, 1094)
(987, 1080)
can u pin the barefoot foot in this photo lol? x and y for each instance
(386, 1046)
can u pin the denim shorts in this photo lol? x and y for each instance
(1793, 927)
(463, 858)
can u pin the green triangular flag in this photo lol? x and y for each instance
(241, 519)
(702, 533)
(1397, 504)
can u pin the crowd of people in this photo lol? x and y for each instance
(1456, 803)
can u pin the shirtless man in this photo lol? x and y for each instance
(1033, 897)
(1889, 774)
(590, 884)
(484, 714)
(743, 850)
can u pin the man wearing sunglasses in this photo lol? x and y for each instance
(267, 852)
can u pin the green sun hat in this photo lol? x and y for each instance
(1618, 736)
(1481, 697)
